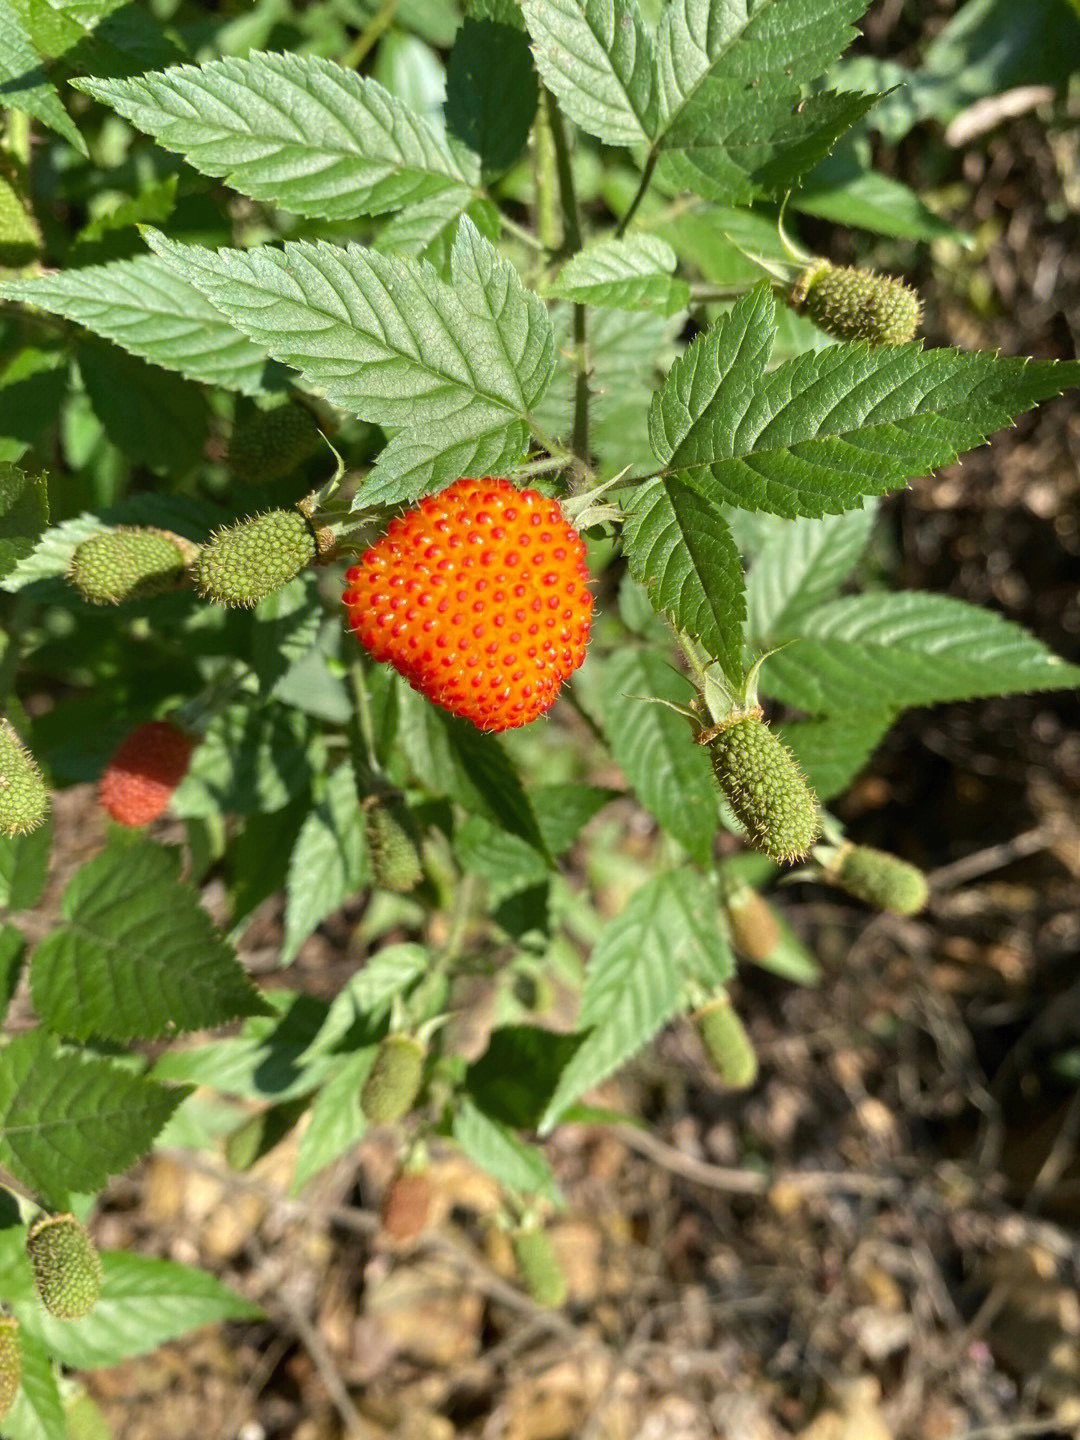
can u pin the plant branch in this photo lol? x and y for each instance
(370, 35)
(646, 181)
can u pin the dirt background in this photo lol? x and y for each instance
(879, 1241)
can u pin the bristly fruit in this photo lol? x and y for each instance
(728, 1045)
(242, 564)
(764, 786)
(479, 597)
(541, 1273)
(144, 771)
(66, 1266)
(391, 842)
(855, 304)
(24, 800)
(880, 879)
(11, 1363)
(130, 563)
(393, 1082)
(271, 444)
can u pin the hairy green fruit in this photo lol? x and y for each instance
(271, 444)
(880, 879)
(754, 930)
(241, 565)
(855, 304)
(11, 1362)
(24, 800)
(728, 1045)
(393, 1082)
(541, 1274)
(764, 786)
(130, 563)
(391, 843)
(67, 1270)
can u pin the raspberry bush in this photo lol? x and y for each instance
(542, 394)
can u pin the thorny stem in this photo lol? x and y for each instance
(646, 181)
(368, 37)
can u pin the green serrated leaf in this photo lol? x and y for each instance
(848, 191)
(681, 549)
(12, 952)
(24, 513)
(153, 417)
(562, 811)
(383, 335)
(817, 434)
(362, 1004)
(631, 274)
(23, 83)
(804, 563)
(491, 92)
(888, 651)
(416, 463)
(68, 1121)
(329, 862)
(336, 1122)
(144, 1302)
(667, 935)
(139, 956)
(496, 1149)
(248, 761)
(596, 56)
(670, 775)
(506, 862)
(146, 308)
(296, 130)
(832, 752)
(454, 759)
(515, 1078)
(38, 1411)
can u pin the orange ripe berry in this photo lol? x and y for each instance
(145, 769)
(479, 597)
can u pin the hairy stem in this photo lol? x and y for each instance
(646, 181)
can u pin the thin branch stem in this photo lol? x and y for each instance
(549, 221)
(519, 232)
(370, 35)
(643, 186)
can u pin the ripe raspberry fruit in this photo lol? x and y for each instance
(145, 769)
(11, 1362)
(855, 304)
(479, 597)
(66, 1266)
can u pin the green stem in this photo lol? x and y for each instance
(519, 232)
(580, 435)
(370, 35)
(646, 181)
(702, 292)
(572, 229)
(17, 136)
(571, 245)
(549, 222)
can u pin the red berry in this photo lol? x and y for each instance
(479, 597)
(146, 768)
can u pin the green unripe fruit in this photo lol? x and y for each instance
(541, 1274)
(855, 304)
(67, 1270)
(24, 800)
(271, 444)
(393, 1082)
(880, 879)
(728, 1045)
(755, 933)
(391, 844)
(11, 1362)
(764, 786)
(130, 563)
(244, 563)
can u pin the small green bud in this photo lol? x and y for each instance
(855, 304)
(880, 879)
(393, 1082)
(728, 1045)
(764, 786)
(391, 843)
(67, 1270)
(541, 1274)
(272, 443)
(755, 933)
(24, 800)
(130, 563)
(244, 563)
(11, 1362)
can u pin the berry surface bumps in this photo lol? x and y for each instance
(479, 597)
(144, 771)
